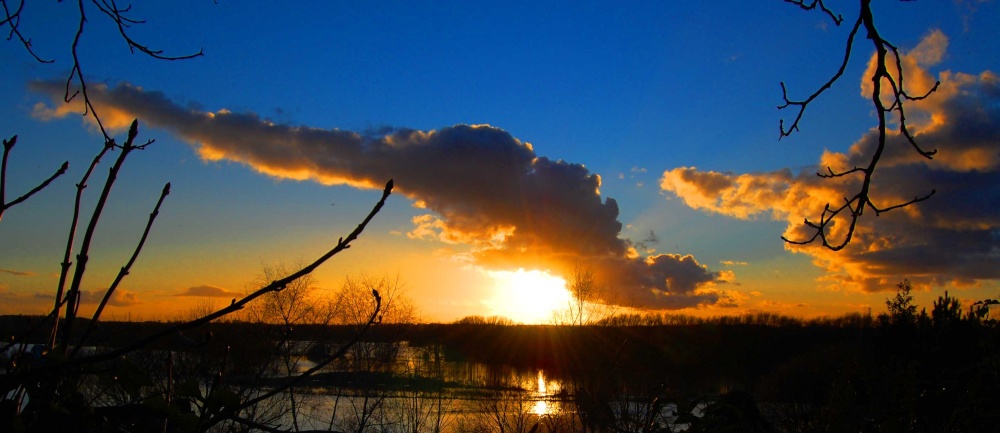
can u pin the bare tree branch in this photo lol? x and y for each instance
(76, 83)
(277, 285)
(70, 241)
(82, 257)
(837, 18)
(125, 269)
(826, 86)
(118, 16)
(373, 319)
(8, 145)
(855, 206)
(13, 20)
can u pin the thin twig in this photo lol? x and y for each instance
(8, 145)
(70, 241)
(837, 19)
(123, 22)
(13, 20)
(124, 270)
(83, 256)
(826, 86)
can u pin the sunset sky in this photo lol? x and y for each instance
(638, 142)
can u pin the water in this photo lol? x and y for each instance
(441, 410)
(416, 389)
(430, 394)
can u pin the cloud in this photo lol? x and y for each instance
(18, 273)
(208, 292)
(731, 299)
(968, 10)
(646, 245)
(951, 239)
(768, 305)
(481, 187)
(121, 297)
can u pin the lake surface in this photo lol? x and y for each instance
(466, 396)
(463, 396)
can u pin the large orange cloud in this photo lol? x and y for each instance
(953, 238)
(485, 189)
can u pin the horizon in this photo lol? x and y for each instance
(526, 142)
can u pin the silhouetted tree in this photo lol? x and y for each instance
(590, 302)
(490, 320)
(980, 310)
(947, 310)
(900, 308)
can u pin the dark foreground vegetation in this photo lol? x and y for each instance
(898, 371)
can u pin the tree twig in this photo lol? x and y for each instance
(83, 256)
(13, 20)
(855, 206)
(124, 270)
(8, 145)
(65, 265)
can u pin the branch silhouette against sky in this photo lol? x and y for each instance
(886, 70)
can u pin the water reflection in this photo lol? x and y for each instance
(541, 406)
(420, 388)
(544, 393)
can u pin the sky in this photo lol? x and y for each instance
(526, 141)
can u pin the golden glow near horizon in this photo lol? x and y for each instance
(528, 296)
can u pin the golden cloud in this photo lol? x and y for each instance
(951, 239)
(482, 188)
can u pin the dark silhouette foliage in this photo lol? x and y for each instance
(900, 308)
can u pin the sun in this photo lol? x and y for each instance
(528, 296)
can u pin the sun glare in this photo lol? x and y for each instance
(528, 296)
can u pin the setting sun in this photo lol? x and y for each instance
(528, 296)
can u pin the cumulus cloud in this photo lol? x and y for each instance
(481, 187)
(208, 292)
(953, 238)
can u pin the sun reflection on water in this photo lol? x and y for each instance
(542, 406)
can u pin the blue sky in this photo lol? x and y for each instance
(627, 92)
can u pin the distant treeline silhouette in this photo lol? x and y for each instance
(933, 370)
